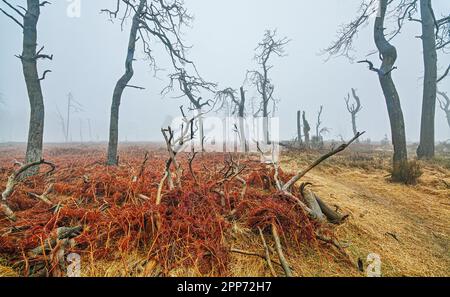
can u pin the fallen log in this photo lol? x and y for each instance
(302, 173)
(61, 233)
(332, 216)
(279, 250)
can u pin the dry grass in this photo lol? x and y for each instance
(381, 211)
(408, 226)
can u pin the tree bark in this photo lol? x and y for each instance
(306, 129)
(112, 158)
(33, 83)
(426, 146)
(389, 55)
(241, 114)
(299, 127)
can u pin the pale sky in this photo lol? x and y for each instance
(89, 54)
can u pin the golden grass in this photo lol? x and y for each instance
(408, 226)
(418, 216)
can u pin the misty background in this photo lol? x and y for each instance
(89, 53)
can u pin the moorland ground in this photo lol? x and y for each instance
(407, 226)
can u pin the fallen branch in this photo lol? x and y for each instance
(332, 216)
(279, 250)
(61, 233)
(248, 253)
(14, 178)
(312, 203)
(266, 251)
(44, 197)
(302, 173)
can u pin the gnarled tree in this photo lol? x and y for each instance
(388, 55)
(153, 20)
(27, 18)
(237, 109)
(353, 109)
(191, 87)
(299, 127)
(444, 104)
(306, 129)
(265, 50)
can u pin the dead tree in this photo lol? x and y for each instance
(159, 19)
(237, 109)
(444, 104)
(27, 18)
(14, 179)
(269, 47)
(299, 127)
(174, 146)
(353, 109)
(318, 139)
(435, 36)
(191, 87)
(72, 106)
(388, 55)
(306, 129)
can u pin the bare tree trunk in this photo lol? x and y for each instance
(241, 114)
(306, 129)
(112, 158)
(33, 83)
(445, 105)
(389, 56)
(426, 146)
(299, 127)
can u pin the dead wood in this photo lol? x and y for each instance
(279, 250)
(267, 253)
(312, 203)
(302, 173)
(61, 233)
(332, 216)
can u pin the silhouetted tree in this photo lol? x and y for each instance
(265, 50)
(299, 127)
(388, 55)
(353, 109)
(306, 129)
(191, 87)
(444, 104)
(158, 19)
(229, 96)
(27, 18)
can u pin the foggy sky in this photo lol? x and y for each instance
(89, 54)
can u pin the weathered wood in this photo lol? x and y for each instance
(332, 216)
(300, 174)
(279, 250)
(267, 253)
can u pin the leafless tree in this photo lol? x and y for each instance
(73, 106)
(306, 129)
(435, 36)
(318, 138)
(27, 19)
(299, 127)
(229, 97)
(388, 55)
(353, 109)
(153, 20)
(191, 86)
(270, 46)
(444, 104)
